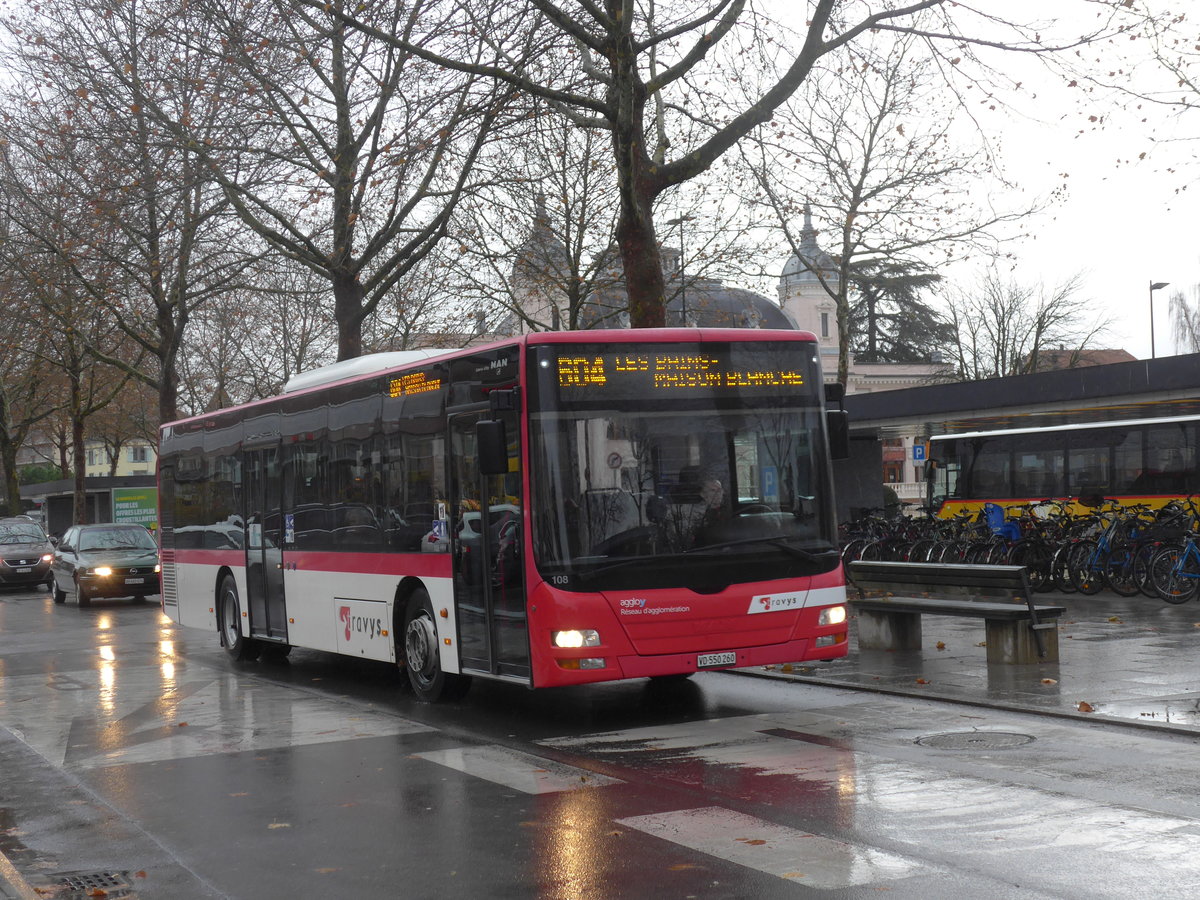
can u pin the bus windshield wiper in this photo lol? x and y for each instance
(780, 542)
(622, 563)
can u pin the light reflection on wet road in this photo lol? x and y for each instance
(130, 745)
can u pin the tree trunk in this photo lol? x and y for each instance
(348, 313)
(80, 496)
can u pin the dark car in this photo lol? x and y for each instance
(105, 561)
(25, 552)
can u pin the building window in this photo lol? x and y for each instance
(91, 457)
(824, 325)
(137, 454)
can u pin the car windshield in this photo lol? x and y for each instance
(21, 533)
(130, 538)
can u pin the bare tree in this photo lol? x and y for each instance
(358, 152)
(873, 146)
(84, 73)
(1185, 320)
(635, 70)
(1005, 328)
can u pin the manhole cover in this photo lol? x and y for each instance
(112, 885)
(975, 740)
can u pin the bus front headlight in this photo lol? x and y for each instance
(582, 637)
(832, 615)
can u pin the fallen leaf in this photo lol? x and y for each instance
(328, 870)
(241, 794)
(941, 645)
(679, 867)
(140, 873)
(181, 724)
(1116, 619)
(922, 681)
(280, 825)
(1049, 681)
(753, 842)
(793, 875)
(1084, 706)
(786, 667)
(981, 644)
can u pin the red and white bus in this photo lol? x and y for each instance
(554, 509)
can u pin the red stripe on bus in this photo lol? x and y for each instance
(433, 565)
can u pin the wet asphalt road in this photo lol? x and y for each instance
(135, 756)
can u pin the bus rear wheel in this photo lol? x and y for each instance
(422, 656)
(237, 645)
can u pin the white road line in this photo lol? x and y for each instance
(519, 771)
(787, 853)
(11, 880)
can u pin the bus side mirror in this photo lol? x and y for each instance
(837, 424)
(493, 447)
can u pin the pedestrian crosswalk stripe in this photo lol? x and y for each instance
(774, 849)
(519, 771)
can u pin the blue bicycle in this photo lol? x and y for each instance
(1175, 569)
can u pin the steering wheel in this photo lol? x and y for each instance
(755, 508)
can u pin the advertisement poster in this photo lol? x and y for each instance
(136, 506)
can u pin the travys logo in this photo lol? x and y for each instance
(365, 625)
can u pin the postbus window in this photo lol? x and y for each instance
(1089, 463)
(1038, 473)
(1170, 459)
(1127, 458)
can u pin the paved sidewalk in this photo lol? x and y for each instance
(1131, 660)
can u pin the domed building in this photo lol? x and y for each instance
(806, 302)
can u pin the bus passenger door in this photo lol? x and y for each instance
(486, 536)
(264, 542)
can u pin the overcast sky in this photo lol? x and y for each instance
(1124, 222)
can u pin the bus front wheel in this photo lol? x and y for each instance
(422, 656)
(237, 645)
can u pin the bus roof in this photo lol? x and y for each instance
(377, 364)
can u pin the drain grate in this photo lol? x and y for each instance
(975, 740)
(93, 884)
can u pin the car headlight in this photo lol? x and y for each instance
(101, 571)
(157, 568)
(47, 557)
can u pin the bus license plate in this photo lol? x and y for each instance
(708, 660)
(135, 580)
(24, 569)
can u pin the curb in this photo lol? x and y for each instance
(12, 885)
(1070, 715)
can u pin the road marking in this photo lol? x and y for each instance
(11, 880)
(519, 771)
(774, 849)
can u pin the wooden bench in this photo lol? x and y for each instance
(894, 596)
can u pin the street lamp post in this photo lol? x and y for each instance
(682, 284)
(1154, 286)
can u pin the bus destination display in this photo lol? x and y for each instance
(668, 372)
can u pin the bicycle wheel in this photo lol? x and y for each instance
(918, 551)
(1084, 564)
(1175, 573)
(1034, 555)
(1141, 567)
(1118, 570)
(1060, 571)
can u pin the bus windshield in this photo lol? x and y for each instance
(633, 488)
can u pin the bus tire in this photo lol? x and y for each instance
(422, 657)
(229, 620)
